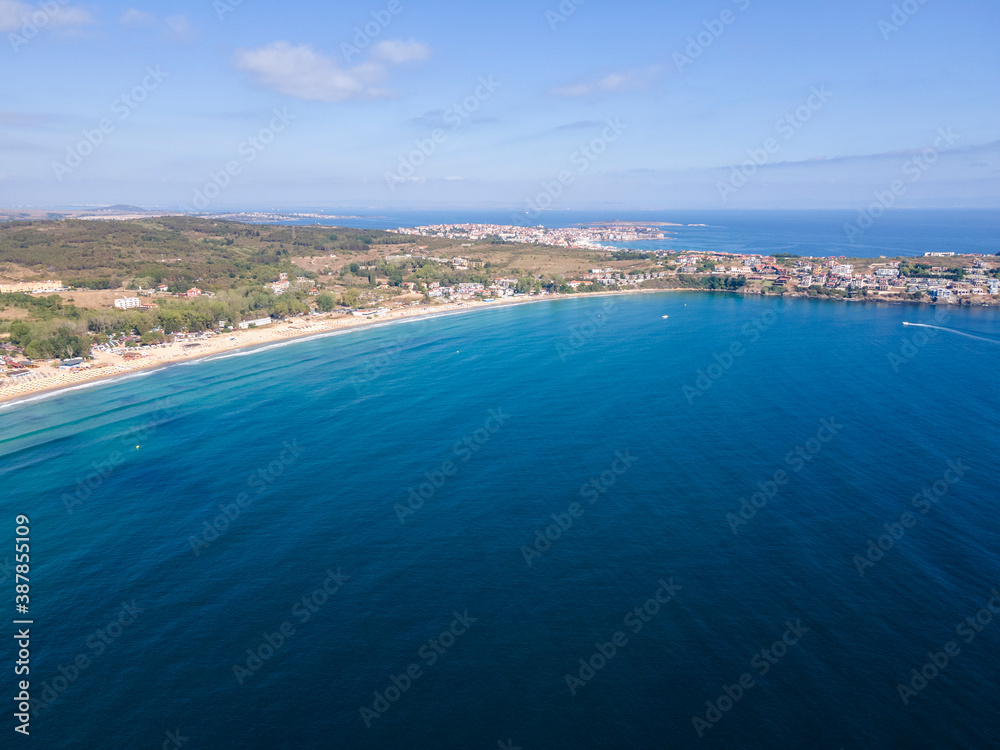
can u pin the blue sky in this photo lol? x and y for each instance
(707, 104)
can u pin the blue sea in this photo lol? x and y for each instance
(577, 523)
(818, 233)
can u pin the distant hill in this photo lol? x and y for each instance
(121, 208)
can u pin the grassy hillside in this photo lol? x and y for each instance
(177, 251)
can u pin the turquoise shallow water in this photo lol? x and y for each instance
(628, 439)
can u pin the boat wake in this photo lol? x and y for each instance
(953, 330)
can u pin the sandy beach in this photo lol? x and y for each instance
(107, 365)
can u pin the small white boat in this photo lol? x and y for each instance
(665, 317)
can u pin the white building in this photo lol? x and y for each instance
(255, 323)
(127, 303)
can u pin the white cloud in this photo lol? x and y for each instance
(397, 51)
(137, 19)
(14, 15)
(612, 83)
(68, 16)
(180, 27)
(301, 72)
(176, 28)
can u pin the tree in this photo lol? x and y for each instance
(351, 297)
(325, 302)
(38, 350)
(526, 285)
(65, 343)
(20, 333)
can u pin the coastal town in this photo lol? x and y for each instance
(587, 236)
(939, 276)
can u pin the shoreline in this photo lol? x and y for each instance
(111, 367)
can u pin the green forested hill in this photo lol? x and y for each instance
(172, 250)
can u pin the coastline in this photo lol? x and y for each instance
(110, 367)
